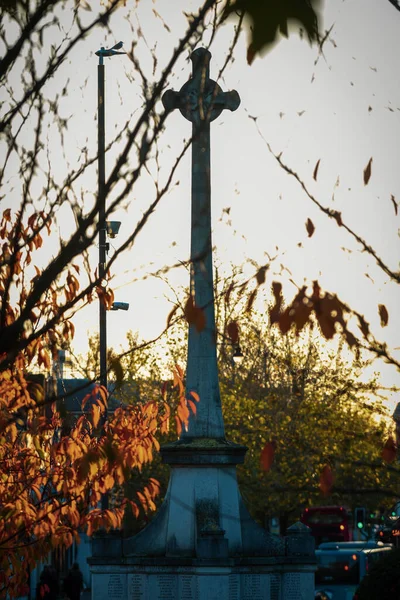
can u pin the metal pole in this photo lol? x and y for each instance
(102, 236)
(102, 223)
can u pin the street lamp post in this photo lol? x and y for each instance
(103, 52)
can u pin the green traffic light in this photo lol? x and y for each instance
(360, 525)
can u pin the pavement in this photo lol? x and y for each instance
(86, 595)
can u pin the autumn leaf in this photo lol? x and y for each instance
(315, 174)
(195, 396)
(192, 405)
(310, 227)
(389, 451)
(326, 480)
(367, 172)
(233, 332)
(267, 455)
(383, 314)
(195, 315)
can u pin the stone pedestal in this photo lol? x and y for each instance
(203, 544)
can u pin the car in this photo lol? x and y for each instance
(342, 565)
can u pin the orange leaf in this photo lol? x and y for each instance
(95, 415)
(367, 172)
(267, 456)
(192, 406)
(178, 426)
(195, 396)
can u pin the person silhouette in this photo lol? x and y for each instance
(73, 583)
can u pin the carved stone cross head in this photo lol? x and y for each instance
(200, 99)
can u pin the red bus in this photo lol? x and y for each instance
(329, 523)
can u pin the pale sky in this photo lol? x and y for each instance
(342, 107)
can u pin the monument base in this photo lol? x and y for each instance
(266, 580)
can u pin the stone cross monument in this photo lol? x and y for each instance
(201, 100)
(203, 544)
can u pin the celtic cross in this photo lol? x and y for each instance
(201, 100)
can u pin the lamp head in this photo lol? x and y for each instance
(120, 306)
(113, 228)
(238, 355)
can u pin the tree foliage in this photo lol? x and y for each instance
(53, 473)
(311, 429)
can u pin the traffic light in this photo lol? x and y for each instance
(359, 517)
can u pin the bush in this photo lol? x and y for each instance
(382, 582)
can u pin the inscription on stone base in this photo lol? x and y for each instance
(165, 584)
(110, 586)
(298, 586)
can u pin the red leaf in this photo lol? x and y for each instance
(233, 332)
(367, 172)
(310, 227)
(195, 315)
(267, 456)
(326, 480)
